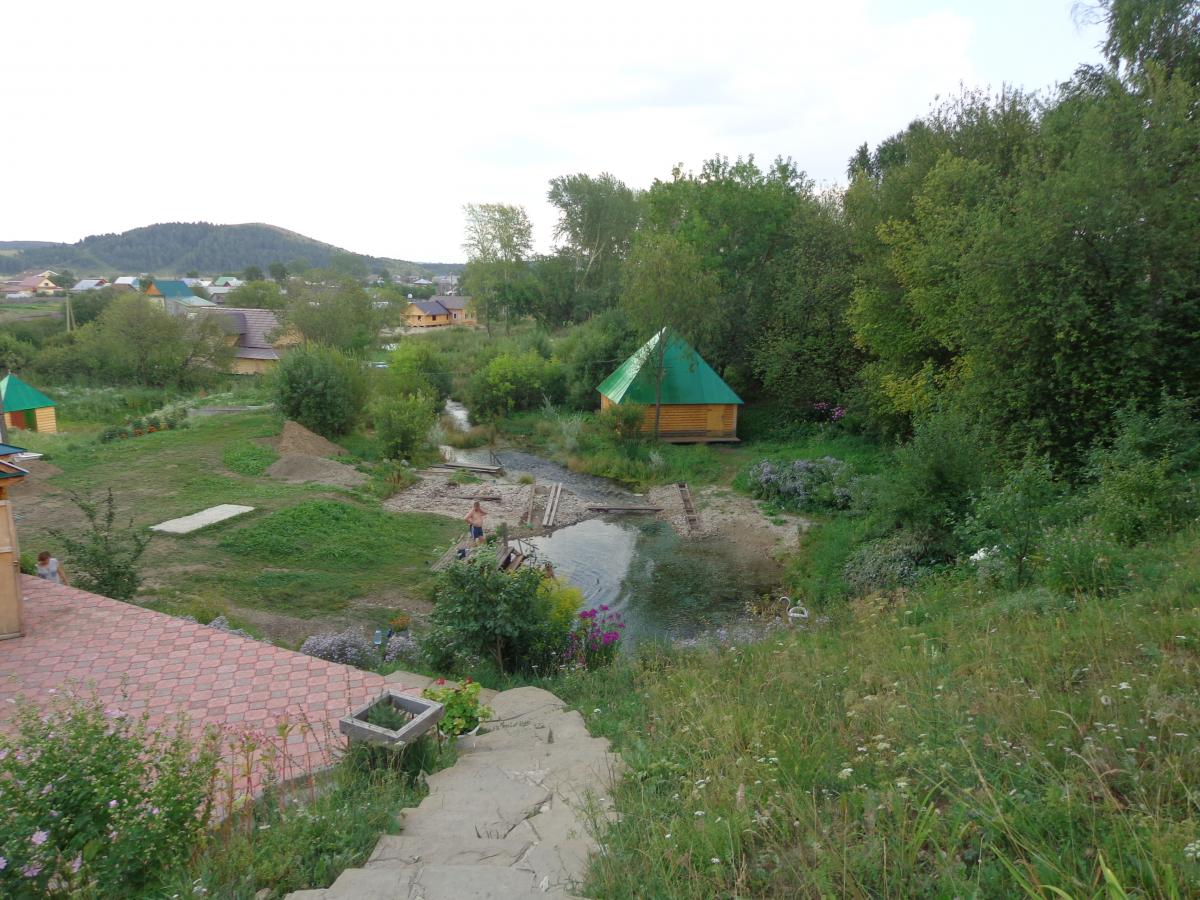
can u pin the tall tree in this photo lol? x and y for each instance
(278, 271)
(499, 239)
(667, 291)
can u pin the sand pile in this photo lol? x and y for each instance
(298, 439)
(303, 468)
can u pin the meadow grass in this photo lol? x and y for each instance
(955, 740)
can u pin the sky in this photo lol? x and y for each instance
(370, 124)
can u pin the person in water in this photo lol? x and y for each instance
(475, 520)
(50, 569)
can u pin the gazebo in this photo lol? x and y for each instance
(697, 405)
(26, 407)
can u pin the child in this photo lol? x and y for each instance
(50, 569)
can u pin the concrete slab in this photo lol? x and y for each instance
(202, 519)
(446, 850)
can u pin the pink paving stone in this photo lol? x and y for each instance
(117, 649)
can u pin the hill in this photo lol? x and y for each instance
(175, 248)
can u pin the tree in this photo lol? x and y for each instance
(322, 389)
(257, 295)
(340, 315)
(667, 290)
(499, 238)
(134, 340)
(348, 266)
(402, 423)
(598, 217)
(278, 271)
(1147, 33)
(252, 273)
(15, 353)
(104, 559)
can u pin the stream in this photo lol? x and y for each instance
(665, 587)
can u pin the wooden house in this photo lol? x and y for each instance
(26, 407)
(426, 314)
(256, 336)
(697, 405)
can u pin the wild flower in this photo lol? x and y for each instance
(592, 642)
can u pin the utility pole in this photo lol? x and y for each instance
(70, 315)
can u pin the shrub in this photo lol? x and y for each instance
(514, 382)
(97, 803)
(402, 647)
(808, 485)
(563, 599)
(483, 612)
(349, 647)
(622, 422)
(463, 710)
(402, 423)
(246, 458)
(894, 561)
(417, 366)
(104, 560)
(390, 478)
(322, 389)
(28, 563)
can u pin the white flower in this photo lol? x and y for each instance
(699, 814)
(1105, 700)
(1124, 686)
(845, 773)
(716, 860)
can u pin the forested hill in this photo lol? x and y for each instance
(175, 248)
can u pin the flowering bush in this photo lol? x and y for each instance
(828, 412)
(463, 709)
(402, 647)
(593, 641)
(94, 803)
(349, 647)
(805, 484)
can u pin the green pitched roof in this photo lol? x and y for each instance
(686, 377)
(18, 396)
(174, 289)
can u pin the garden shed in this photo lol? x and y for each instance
(26, 407)
(697, 405)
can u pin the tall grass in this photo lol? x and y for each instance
(957, 740)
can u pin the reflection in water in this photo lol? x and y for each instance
(664, 587)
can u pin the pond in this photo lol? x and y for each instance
(664, 587)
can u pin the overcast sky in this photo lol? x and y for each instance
(370, 124)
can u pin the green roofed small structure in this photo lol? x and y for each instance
(697, 405)
(26, 407)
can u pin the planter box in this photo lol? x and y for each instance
(426, 714)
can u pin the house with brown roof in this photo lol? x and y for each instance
(256, 337)
(438, 312)
(32, 283)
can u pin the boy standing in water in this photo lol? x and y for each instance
(475, 520)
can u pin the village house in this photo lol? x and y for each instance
(30, 284)
(88, 284)
(127, 283)
(697, 405)
(255, 336)
(26, 407)
(438, 312)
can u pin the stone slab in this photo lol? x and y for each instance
(446, 850)
(202, 519)
(478, 883)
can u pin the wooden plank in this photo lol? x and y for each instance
(469, 467)
(623, 509)
(532, 498)
(552, 502)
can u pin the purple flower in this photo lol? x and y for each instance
(77, 863)
(39, 838)
(33, 870)
(3, 863)
(112, 804)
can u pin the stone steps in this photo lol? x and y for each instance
(509, 820)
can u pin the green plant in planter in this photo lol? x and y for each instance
(463, 709)
(388, 716)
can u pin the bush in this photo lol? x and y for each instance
(402, 423)
(894, 561)
(808, 485)
(388, 479)
(403, 648)
(463, 710)
(417, 366)
(96, 803)
(322, 389)
(622, 423)
(514, 382)
(482, 612)
(104, 561)
(349, 647)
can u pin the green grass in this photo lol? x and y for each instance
(958, 740)
(335, 552)
(246, 458)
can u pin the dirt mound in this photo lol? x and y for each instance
(298, 439)
(302, 468)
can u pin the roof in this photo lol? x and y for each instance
(9, 469)
(686, 378)
(19, 396)
(452, 302)
(430, 307)
(174, 289)
(89, 284)
(10, 450)
(142, 661)
(230, 280)
(131, 280)
(252, 326)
